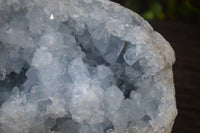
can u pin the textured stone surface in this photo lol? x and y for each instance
(82, 66)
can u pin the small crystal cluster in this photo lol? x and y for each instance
(82, 66)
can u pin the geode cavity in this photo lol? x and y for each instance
(82, 66)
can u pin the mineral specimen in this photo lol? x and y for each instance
(82, 66)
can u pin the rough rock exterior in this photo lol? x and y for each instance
(82, 66)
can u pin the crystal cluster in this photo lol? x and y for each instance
(82, 66)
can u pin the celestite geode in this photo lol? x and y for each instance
(82, 66)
